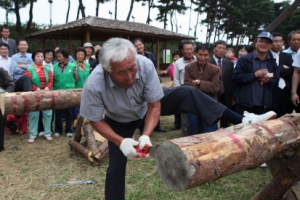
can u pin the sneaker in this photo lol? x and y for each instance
(69, 134)
(48, 138)
(264, 165)
(41, 133)
(251, 118)
(30, 140)
(56, 134)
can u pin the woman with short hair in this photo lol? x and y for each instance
(42, 79)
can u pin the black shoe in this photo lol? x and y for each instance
(160, 130)
(175, 128)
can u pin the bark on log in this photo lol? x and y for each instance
(89, 134)
(188, 162)
(102, 151)
(83, 150)
(22, 102)
(78, 135)
(283, 180)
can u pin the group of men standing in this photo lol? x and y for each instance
(260, 81)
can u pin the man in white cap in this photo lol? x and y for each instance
(255, 75)
(89, 51)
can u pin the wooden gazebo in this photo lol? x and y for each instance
(100, 29)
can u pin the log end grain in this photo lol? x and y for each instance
(173, 166)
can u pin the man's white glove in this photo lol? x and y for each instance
(144, 139)
(127, 147)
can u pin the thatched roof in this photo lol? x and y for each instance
(102, 29)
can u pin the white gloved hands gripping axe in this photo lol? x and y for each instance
(133, 149)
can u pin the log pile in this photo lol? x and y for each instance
(89, 148)
(191, 161)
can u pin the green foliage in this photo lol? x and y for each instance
(236, 18)
(166, 6)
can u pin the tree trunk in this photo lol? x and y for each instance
(165, 16)
(29, 23)
(283, 180)
(188, 162)
(78, 11)
(97, 7)
(150, 3)
(18, 20)
(276, 22)
(81, 7)
(18, 103)
(68, 11)
(116, 9)
(130, 10)
(83, 150)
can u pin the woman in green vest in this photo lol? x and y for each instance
(42, 79)
(83, 71)
(83, 67)
(64, 78)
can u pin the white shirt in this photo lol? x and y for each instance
(179, 71)
(276, 56)
(6, 64)
(50, 65)
(296, 62)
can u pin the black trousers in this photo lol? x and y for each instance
(222, 99)
(116, 171)
(67, 112)
(175, 101)
(23, 84)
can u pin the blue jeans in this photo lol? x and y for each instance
(198, 126)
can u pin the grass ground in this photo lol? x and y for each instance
(26, 170)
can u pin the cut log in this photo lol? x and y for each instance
(283, 180)
(22, 102)
(90, 139)
(79, 123)
(188, 162)
(102, 151)
(83, 150)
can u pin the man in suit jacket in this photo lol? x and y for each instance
(227, 87)
(11, 42)
(281, 94)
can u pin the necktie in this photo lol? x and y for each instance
(221, 76)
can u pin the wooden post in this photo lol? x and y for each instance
(188, 162)
(157, 54)
(283, 180)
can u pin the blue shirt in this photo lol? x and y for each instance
(256, 87)
(101, 95)
(19, 64)
(290, 51)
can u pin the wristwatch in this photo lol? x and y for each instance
(197, 81)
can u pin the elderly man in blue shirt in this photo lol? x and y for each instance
(126, 88)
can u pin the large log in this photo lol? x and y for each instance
(188, 162)
(83, 150)
(22, 102)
